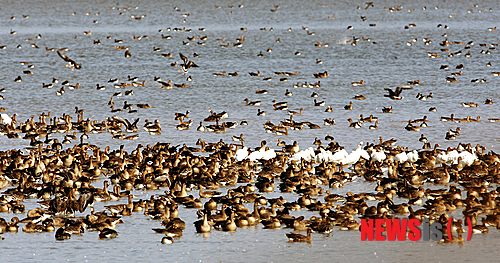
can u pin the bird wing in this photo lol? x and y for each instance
(135, 122)
(66, 58)
(191, 64)
(164, 83)
(401, 88)
(121, 120)
(391, 93)
(84, 200)
(184, 58)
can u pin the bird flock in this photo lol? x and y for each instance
(226, 183)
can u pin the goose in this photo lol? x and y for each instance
(201, 127)
(451, 118)
(254, 74)
(167, 240)
(108, 233)
(411, 127)
(71, 63)
(202, 226)
(329, 137)
(423, 139)
(294, 237)
(359, 83)
(252, 103)
(396, 95)
(348, 107)
(61, 234)
(319, 103)
(355, 125)
(329, 121)
(387, 109)
(359, 97)
(321, 75)
(187, 63)
(371, 118)
(291, 112)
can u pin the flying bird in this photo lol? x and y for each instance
(395, 95)
(187, 63)
(71, 63)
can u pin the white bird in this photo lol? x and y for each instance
(323, 156)
(269, 154)
(307, 155)
(339, 155)
(401, 157)
(412, 156)
(354, 156)
(256, 155)
(442, 157)
(453, 157)
(241, 154)
(467, 158)
(6, 119)
(378, 156)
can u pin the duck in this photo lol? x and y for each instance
(319, 103)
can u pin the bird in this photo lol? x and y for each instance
(71, 63)
(107, 233)
(187, 63)
(293, 237)
(167, 240)
(396, 95)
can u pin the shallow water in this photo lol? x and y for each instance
(384, 61)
